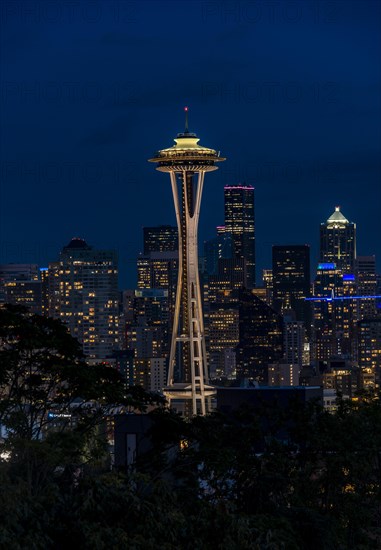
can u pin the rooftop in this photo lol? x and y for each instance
(337, 217)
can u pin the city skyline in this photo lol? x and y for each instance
(190, 332)
(84, 106)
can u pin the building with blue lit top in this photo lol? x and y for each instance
(338, 242)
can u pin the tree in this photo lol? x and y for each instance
(53, 405)
(44, 379)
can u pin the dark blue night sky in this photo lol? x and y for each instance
(288, 91)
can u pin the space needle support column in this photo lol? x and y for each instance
(198, 365)
(176, 317)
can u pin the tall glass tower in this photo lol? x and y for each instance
(187, 162)
(291, 280)
(338, 242)
(239, 222)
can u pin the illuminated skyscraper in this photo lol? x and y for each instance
(369, 343)
(334, 313)
(221, 247)
(338, 242)
(260, 337)
(366, 278)
(163, 238)
(16, 272)
(24, 293)
(239, 222)
(222, 318)
(187, 162)
(83, 292)
(291, 281)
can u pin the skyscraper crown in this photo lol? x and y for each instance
(337, 217)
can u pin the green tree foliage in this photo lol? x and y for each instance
(271, 479)
(54, 407)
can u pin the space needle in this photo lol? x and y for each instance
(188, 378)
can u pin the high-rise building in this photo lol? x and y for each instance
(163, 238)
(187, 162)
(159, 270)
(44, 277)
(150, 373)
(334, 314)
(294, 341)
(24, 293)
(221, 315)
(149, 330)
(260, 337)
(283, 374)
(16, 272)
(240, 223)
(124, 363)
(83, 292)
(267, 278)
(369, 347)
(342, 376)
(338, 242)
(221, 247)
(291, 280)
(366, 278)
(223, 337)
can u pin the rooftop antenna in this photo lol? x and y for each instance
(186, 120)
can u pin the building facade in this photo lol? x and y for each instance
(260, 338)
(240, 224)
(291, 281)
(338, 242)
(83, 292)
(162, 238)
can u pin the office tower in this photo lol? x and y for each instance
(221, 315)
(260, 337)
(148, 337)
(163, 238)
(294, 341)
(291, 280)
(334, 314)
(283, 374)
(267, 277)
(230, 277)
(366, 278)
(240, 223)
(83, 292)
(187, 162)
(24, 293)
(261, 293)
(369, 347)
(327, 284)
(349, 311)
(338, 242)
(342, 376)
(223, 337)
(149, 331)
(44, 278)
(159, 270)
(221, 247)
(150, 373)
(127, 299)
(16, 272)
(124, 362)
(153, 305)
